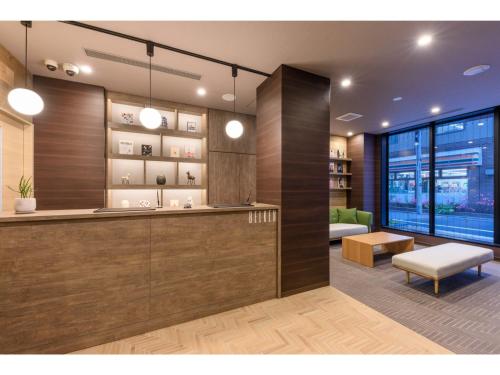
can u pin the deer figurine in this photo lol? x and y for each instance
(126, 179)
(190, 178)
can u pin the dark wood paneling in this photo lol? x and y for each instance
(292, 171)
(69, 164)
(363, 152)
(219, 141)
(223, 177)
(247, 170)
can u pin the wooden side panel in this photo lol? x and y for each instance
(356, 146)
(63, 281)
(208, 267)
(219, 141)
(293, 110)
(305, 137)
(269, 139)
(224, 177)
(69, 145)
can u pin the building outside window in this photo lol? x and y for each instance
(464, 180)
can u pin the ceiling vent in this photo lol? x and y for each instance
(349, 117)
(141, 64)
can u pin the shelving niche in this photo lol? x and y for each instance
(177, 147)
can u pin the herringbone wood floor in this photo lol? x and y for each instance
(320, 321)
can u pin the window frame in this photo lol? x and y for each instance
(495, 111)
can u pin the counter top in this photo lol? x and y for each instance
(48, 215)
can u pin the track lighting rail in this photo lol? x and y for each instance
(164, 46)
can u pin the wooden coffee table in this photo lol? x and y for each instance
(359, 248)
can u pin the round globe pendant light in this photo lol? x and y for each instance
(234, 128)
(149, 117)
(24, 100)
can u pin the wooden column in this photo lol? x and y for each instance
(69, 145)
(293, 111)
(364, 181)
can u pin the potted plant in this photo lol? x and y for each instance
(26, 204)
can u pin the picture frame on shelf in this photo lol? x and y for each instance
(164, 122)
(340, 167)
(146, 150)
(125, 147)
(192, 126)
(127, 118)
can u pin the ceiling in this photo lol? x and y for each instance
(381, 58)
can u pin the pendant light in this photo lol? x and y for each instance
(150, 118)
(24, 100)
(234, 128)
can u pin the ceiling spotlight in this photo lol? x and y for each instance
(470, 142)
(201, 91)
(349, 134)
(85, 69)
(346, 82)
(478, 69)
(424, 40)
(480, 123)
(397, 99)
(385, 124)
(435, 110)
(228, 97)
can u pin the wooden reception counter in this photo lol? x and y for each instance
(74, 279)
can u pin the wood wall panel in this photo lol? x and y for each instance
(292, 171)
(362, 151)
(219, 141)
(62, 280)
(232, 170)
(69, 160)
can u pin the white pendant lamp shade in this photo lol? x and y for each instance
(25, 101)
(150, 118)
(234, 129)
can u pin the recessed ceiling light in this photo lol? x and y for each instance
(480, 124)
(85, 69)
(435, 110)
(397, 99)
(478, 69)
(385, 124)
(228, 97)
(346, 82)
(349, 134)
(484, 147)
(201, 91)
(424, 40)
(470, 142)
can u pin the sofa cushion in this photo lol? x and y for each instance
(443, 260)
(347, 215)
(334, 215)
(341, 230)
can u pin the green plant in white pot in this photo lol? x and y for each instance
(26, 204)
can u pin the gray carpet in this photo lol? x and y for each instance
(464, 318)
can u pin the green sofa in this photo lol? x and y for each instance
(349, 222)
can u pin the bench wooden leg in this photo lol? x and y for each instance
(407, 277)
(436, 286)
(479, 268)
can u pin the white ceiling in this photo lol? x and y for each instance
(381, 57)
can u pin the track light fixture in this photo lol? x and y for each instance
(234, 128)
(150, 118)
(24, 100)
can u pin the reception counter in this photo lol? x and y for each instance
(72, 279)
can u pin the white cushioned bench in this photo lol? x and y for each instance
(438, 262)
(340, 230)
